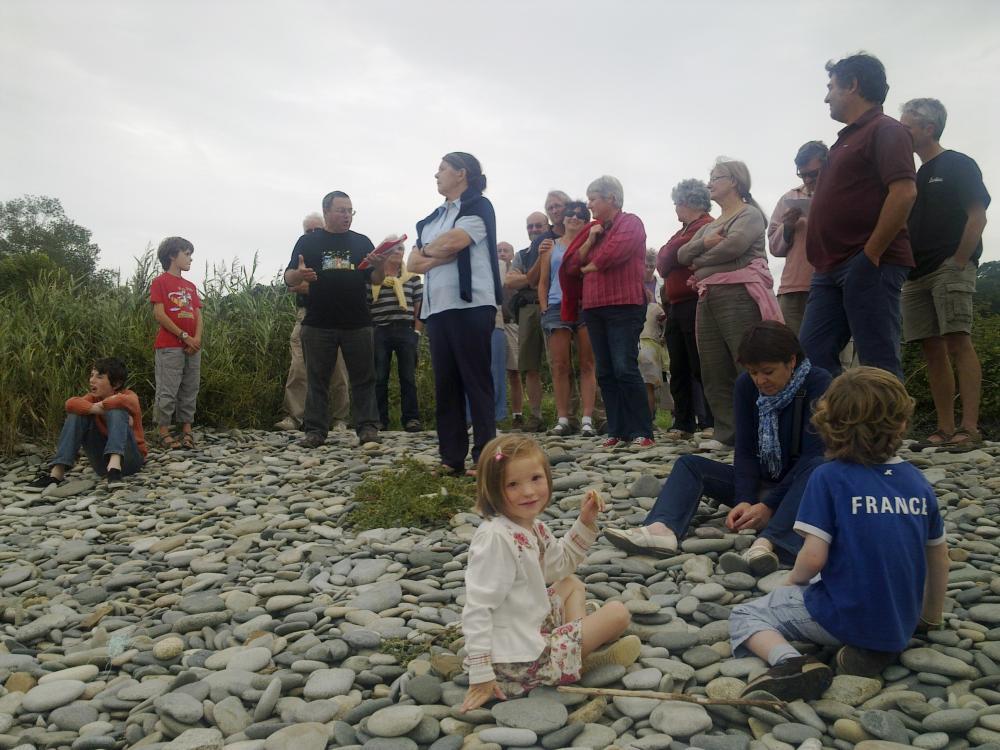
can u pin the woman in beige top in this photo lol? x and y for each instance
(729, 243)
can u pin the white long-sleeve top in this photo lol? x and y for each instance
(506, 602)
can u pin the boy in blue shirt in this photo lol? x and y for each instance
(872, 528)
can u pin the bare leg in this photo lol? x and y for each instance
(559, 345)
(516, 394)
(573, 594)
(941, 381)
(651, 397)
(763, 642)
(588, 378)
(533, 384)
(604, 626)
(970, 377)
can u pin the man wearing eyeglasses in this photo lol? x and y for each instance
(523, 277)
(786, 234)
(295, 384)
(337, 318)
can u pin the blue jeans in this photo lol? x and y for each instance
(694, 476)
(857, 300)
(614, 337)
(401, 339)
(82, 432)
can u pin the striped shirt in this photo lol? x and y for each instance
(386, 310)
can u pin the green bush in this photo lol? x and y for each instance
(54, 328)
(409, 494)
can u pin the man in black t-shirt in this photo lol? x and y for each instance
(946, 232)
(337, 318)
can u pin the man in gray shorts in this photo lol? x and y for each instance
(946, 232)
(505, 252)
(529, 323)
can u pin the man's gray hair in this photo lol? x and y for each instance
(691, 193)
(312, 221)
(558, 194)
(608, 187)
(927, 112)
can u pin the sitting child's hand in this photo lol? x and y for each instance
(592, 504)
(479, 693)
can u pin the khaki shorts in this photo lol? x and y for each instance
(510, 334)
(530, 341)
(939, 303)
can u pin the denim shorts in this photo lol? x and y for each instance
(783, 610)
(552, 321)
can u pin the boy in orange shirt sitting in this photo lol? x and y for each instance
(106, 423)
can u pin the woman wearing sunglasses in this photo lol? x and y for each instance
(559, 333)
(786, 234)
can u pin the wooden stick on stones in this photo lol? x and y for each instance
(615, 692)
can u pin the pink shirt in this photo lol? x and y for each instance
(798, 271)
(620, 257)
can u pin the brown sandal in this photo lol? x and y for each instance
(187, 441)
(943, 439)
(168, 442)
(968, 439)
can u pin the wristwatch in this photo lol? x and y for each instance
(184, 335)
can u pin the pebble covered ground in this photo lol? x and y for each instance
(217, 601)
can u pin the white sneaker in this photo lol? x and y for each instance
(288, 424)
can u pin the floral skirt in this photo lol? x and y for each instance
(559, 663)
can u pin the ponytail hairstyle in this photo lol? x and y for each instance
(741, 176)
(474, 176)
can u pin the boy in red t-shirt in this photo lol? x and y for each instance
(176, 308)
(106, 423)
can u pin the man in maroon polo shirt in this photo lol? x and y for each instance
(856, 238)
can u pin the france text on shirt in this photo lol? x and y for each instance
(869, 504)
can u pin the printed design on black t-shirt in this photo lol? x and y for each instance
(337, 259)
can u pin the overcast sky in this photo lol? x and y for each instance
(226, 122)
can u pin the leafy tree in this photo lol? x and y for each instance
(37, 225)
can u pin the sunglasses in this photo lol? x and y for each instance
(581, 215)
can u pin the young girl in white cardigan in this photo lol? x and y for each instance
(525, 618)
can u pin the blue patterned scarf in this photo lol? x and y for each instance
(769, 407)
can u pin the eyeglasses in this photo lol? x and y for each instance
(719, 177)
(344, 211)
(537, 226)
(812, 174)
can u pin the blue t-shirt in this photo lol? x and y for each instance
(878, 520)
(555, 260)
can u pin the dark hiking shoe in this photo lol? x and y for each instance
(413, 425)
(43, 481)
(801, 677)
(367, 435)
(312, 440)
(115, 479)
(863, 662)
(517, 423)
(534, 424)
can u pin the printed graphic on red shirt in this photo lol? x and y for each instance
(179, 298)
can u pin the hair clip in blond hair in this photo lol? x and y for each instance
(499, 456)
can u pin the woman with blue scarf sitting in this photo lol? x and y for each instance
(776, 451)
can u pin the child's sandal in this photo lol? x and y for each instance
(188, 441)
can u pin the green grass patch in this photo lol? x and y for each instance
(409, 494)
